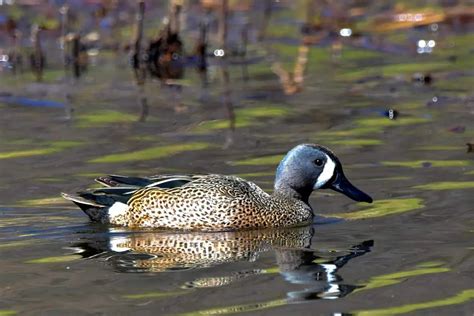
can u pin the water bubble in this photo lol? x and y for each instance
(434, 99)
(431, 43)
(421, 43)
(391, 114)
(219, 53)
(434, 27)
(346, 32)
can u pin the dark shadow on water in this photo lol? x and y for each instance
(297, 262)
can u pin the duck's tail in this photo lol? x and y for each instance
(97, 204)
(104, 204)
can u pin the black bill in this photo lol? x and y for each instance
(341, 184)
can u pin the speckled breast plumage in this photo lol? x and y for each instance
(212, 202)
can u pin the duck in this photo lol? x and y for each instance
(215, 202)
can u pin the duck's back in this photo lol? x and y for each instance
(209, 202)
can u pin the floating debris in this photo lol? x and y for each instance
(391, 114)
(14, 100)
(457, 129)
(470, 147)
(422, 78)
(37, 58)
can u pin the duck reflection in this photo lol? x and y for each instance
(170, 251)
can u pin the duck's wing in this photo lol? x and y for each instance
(96, 202)
(158, 181)
(228, 186)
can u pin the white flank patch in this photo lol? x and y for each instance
(327, 173)
(117, 243)
(117, 209)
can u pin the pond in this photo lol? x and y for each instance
(398, 120)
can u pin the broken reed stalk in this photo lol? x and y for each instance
(227, 100)
(243, 53)
(37, 58)
(138, 67)
(64, 28)
(174, 25)
(267, 13)
(136, 56)
(16, 58)
(223, 16)
(76, 50)
(293, 82)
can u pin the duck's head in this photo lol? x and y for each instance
(308, 167)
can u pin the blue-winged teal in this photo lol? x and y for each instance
(214, 202)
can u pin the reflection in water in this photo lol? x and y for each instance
(169, 251)
(227, 100)
(165, 56)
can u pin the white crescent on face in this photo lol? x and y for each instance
(326, 175)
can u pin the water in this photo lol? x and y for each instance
(410, 251)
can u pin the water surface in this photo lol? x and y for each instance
(410, 251)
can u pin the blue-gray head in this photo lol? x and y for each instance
(308, 167)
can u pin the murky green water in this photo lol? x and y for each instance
(411, 251)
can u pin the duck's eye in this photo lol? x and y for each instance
(318, 162)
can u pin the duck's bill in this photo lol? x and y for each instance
(342, 185)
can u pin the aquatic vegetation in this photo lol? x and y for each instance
(383, 208)
(392, 178)
(459, 298)
(463, 84)
(392, 70)
(104, 117)
(373, 122)
(243, 308)
(256, 174)
(244, 117)
(51, 201)
(259, 161)
(428, 163)
(282, 30)
(30, 220)
(27, 153)
(438, 148)
(356, 54)
(398, 277)
(7, 312)
(56, 259)
(49, 148)
(356, 142)
(18, 243)
(151, 153)
(368, 126)
(446, 185)
(356, 131)
(150, 295)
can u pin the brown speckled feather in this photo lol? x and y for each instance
(211, 202)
